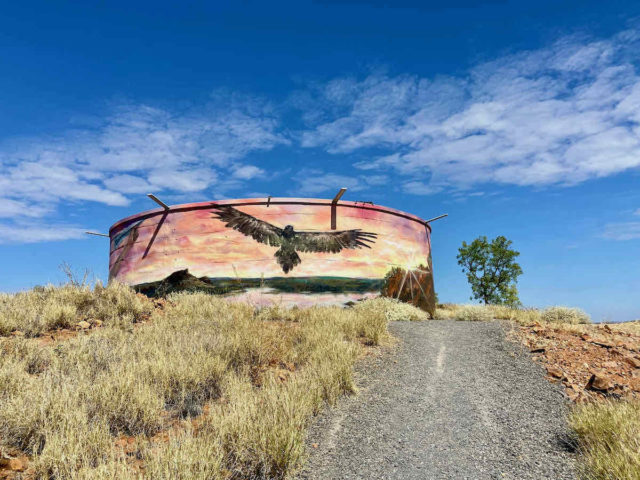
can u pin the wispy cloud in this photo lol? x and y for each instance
(554, 116)
(13, 208)
(559, 115)
(248, 172)
(622, 231)
(37, 232)
(315, 181)
(135, 150)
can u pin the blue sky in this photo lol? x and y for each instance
(517, 118)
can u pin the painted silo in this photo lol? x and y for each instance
(288, 250)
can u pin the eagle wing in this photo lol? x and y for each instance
(332, 241)
(249, 225)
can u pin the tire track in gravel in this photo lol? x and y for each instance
(455, 400)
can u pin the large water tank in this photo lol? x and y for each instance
(286, 250)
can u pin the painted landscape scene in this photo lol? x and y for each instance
(285, 251)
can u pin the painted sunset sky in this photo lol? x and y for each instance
(196, 240)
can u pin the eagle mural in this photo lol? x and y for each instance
(289, 240)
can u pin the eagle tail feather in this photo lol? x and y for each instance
(287, 258)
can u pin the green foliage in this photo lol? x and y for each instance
(491, 270)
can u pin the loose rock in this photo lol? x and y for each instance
(14, 464)
(634, 362)
(554, 371)
(599, 383)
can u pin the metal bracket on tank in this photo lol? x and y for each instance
(334, 202)
(162, 219)
(158, 201)
(436, 218)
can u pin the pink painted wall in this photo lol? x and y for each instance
(150, 246)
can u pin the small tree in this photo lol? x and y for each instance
(491, 270)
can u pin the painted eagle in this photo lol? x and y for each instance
(289, 240)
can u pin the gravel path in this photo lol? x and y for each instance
(456, 400)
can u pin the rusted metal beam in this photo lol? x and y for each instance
(158, 201)
(155, 233)
(334, 202)
(436, 218)
(339, 195)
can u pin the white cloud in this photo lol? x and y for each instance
(192, 180)
(126, 183)
(19, 233)
(313, 182)
(137, 149)
(43, 182)
(420, 188)
(375, 180)
(247, 172)
(622, 231)
(13, 208)
(559, 115)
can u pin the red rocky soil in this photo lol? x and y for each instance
(14, 465)
(591, 361)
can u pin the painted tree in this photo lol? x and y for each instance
(491, 270)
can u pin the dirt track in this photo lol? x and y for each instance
(456, 400)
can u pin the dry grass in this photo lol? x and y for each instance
(631, 328)
(610, 439)
(395, 310)
(485, 313)
(523, 316)
(45, 308)
(252, 379)
(474, 313)
(561, 314)
(626, 327)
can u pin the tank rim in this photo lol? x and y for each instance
(270, 201)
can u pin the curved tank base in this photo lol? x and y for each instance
(277, 251)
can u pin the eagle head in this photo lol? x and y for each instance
(288, 232)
